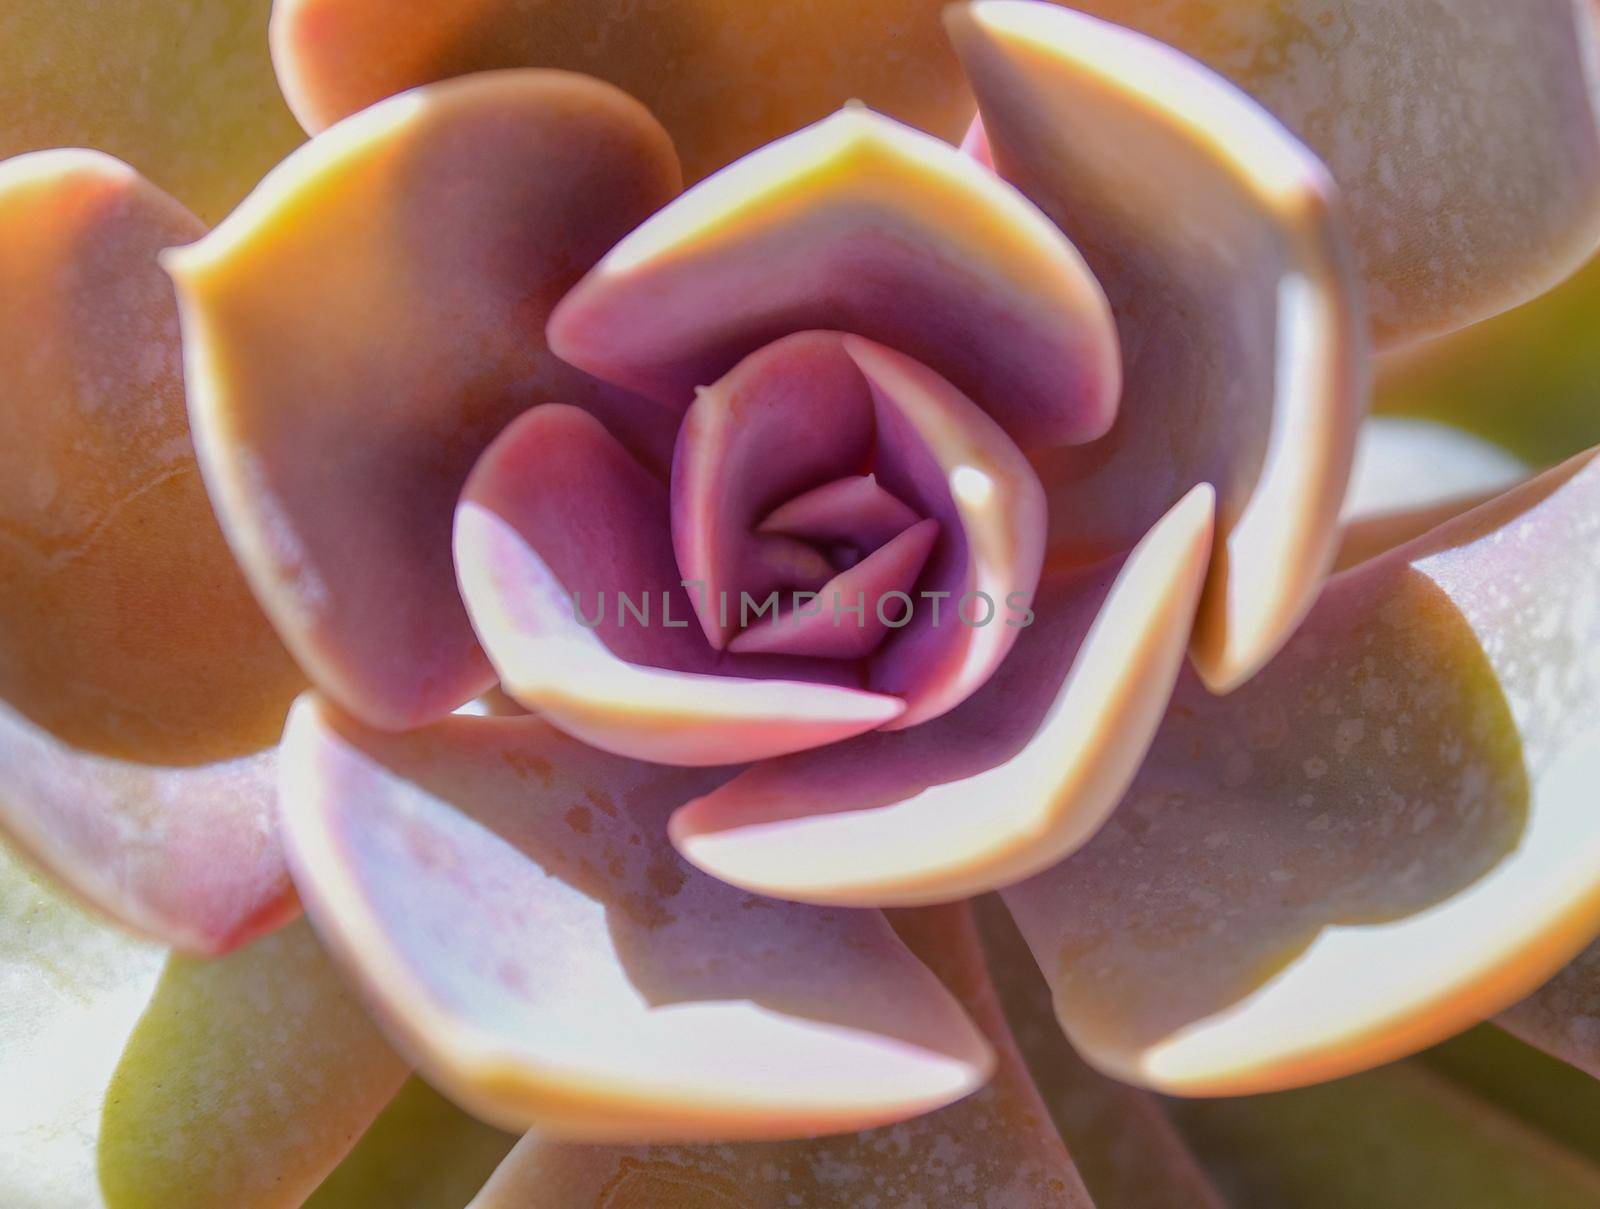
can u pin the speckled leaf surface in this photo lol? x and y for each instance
(507, 900)
(1384, 839)
(1129, 1152)
(1465, 134)
(1563, 1016)
(136, 1079)
(141, 688)
(409, 256)
(1238, 309)
(996, 1149)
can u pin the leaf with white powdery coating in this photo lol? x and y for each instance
(507, 901)
(1383, 839)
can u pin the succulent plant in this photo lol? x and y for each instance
(658, 586)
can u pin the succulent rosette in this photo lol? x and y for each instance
(650, 508)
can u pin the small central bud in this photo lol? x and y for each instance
(791, 543)
(877, 546)
(851, 614)
(833, 499)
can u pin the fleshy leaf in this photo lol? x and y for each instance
(408, 259)
(1465, 134)
(952, 463)
(814, 406)
(1528, 380)
(1396, 1138)
(1383, 839)
(1366, 537)
(187, 856)
(127, 628)
(1404, 463)
(1219, 242)
(892, 567)
(792, 414)
(1130, 1154)
(996, 1148)
(422, 1152)
(244, 1082)
(725, 76)
(860, 225)
(182, 88)
(139, 682)
(853, 509)
(507, 900)
(1412, 476)
(1563, 1016)
(1560, 1101)
(134, 1078)
(558, 523)
(1000, 787)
